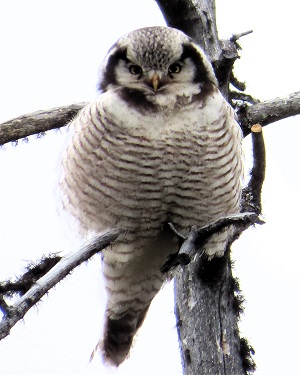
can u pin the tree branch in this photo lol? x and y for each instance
(263, 113)
(213, 277)
(269, 111)
(198, 237)
(37, 122)
(241, 97)
(34, 271)
(16, 312)
(205, 289)
(251, 198)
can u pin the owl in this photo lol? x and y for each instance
(159, 144)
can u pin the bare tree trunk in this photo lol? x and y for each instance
(207, 319)
(206, 298)
(205, 303)
(196, 19)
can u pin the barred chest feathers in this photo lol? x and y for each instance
(159, 144)
(156, 164)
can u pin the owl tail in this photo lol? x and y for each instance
(118, 336)
(132, 279)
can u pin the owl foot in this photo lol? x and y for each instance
(197, 238)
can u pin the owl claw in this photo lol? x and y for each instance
(180, 235)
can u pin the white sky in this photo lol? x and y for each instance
(50, 53)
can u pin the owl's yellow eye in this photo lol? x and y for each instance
(175, 68)
(135, 70)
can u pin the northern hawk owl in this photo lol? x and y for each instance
(159, 144)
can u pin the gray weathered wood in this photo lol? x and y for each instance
(204, 291)
(37, 122)
(270, 111)
(206, 322)
(196, 19)
(67, 263)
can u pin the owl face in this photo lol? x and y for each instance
(155, 61)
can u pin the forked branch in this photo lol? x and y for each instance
(16, 312)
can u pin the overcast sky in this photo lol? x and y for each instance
(50, 53)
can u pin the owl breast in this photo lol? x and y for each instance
(136, 170)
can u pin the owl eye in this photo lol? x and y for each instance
(175, 68)
(135, 70)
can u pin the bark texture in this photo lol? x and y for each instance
(40, 122)
(44, 276)
(197, 18)
(206, 319)
(269, 111)
(37, 122)
(205, 301)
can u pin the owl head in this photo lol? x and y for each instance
(154, 61)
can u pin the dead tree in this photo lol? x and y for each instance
(208, 300)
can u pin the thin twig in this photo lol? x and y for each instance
(236, 83)
(235, 95)
(22, 284)
(236, 37)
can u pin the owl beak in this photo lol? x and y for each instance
(155, 82)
